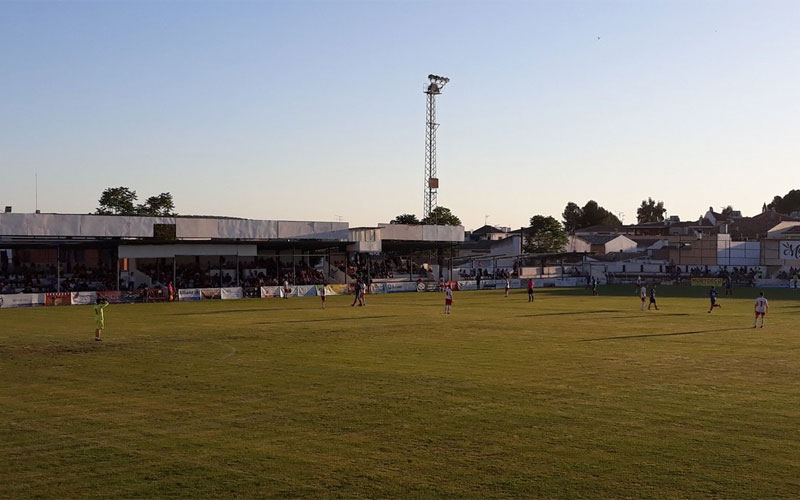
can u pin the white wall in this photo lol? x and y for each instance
(737, 253)
(576, 244)
(61, 225)
(412, 232)
(621, 244)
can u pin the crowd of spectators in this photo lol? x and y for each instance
(494, 274)
(371, 269)
(741, 275)
(792, 273)
(253, 273)
(43, 278)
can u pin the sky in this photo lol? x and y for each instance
(315, 110)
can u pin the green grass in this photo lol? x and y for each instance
(569, 397)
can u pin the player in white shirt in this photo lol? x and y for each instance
(761, 309)
(448, 299)
(643, 295)
(508, 286)
(323, 292)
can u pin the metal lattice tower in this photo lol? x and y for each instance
(432, 89)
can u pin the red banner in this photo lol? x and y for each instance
(58, 299)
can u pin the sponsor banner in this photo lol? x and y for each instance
(58, 299)
(185, 294)
(21, 300)
(516, 283)
(211, 293)
(269, 292)
(707, 281)
(790, 250)
(337, 289)
(377, 288)
(232, 293)
(403, 286)
(83, 298)
(467, 285)
(119, 297)
(428, 287)
(306, 290)
(286, 292)
(328, 290)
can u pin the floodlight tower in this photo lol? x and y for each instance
(432, 89)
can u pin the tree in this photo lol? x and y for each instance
(120, 201)
(157, 206)
(787, 204)
(573, 216)
(594, 214)
(546, 235)
(117, 201)
(727, 211)
(405, 219)
(590, 215)
(442, 216)
(650, 211)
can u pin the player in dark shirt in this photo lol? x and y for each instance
(712, 294)
(652, 299)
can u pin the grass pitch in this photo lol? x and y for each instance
(572, 396)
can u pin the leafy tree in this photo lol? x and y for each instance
(121, 201)
(590, 215)
(594, 214)
(157, 206)
(727, 211)
(573, 216)
(442, 216)
(650, 211)
(405, 219)
(546, 235)
(788, 203)
(117, 201)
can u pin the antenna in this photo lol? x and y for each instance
(36, 191)
(432, 89)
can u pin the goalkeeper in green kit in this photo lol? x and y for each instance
(99, 319)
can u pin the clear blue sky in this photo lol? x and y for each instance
(312, 110)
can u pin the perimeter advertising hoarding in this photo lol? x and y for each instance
(790, 250)
(707, 281)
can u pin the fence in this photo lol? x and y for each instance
(232, 293)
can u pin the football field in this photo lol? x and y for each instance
(571, 396)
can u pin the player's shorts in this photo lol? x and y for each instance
(530, 291)
(652, 301)
(643, 299)
(448, 302)
(322, 297)
(760, 313)
(713, 301)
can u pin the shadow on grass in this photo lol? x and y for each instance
(227, 311)
(654, 312)
(323, 320)
(673, 334)
(571, 313)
